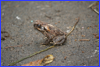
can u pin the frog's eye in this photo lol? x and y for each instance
(38, 25)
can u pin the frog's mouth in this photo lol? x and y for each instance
(40, 29)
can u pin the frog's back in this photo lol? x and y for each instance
(55, 31)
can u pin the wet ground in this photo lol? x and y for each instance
(19, 38)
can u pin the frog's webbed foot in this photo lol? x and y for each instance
(59, 40)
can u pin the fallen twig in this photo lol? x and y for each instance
(93, 4)
(84, 39)
(14, 46)
(73, 28)
(96, 11)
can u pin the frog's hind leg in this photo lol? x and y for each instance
(59, 40)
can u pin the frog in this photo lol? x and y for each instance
(53, 34)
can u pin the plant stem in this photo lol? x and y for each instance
(30, 56)
(93, 4)
(73, 28)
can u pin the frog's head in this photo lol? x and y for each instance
(39, 25)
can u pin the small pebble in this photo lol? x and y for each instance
(83, 35)
(65, 57)
(68, 31)
(18, 18)
(75, 39)
(31, 21)
(82, 51)
(82, 27)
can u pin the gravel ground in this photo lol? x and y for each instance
(17, 19)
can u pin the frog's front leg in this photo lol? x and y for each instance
(48, 40)
(59, 40)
